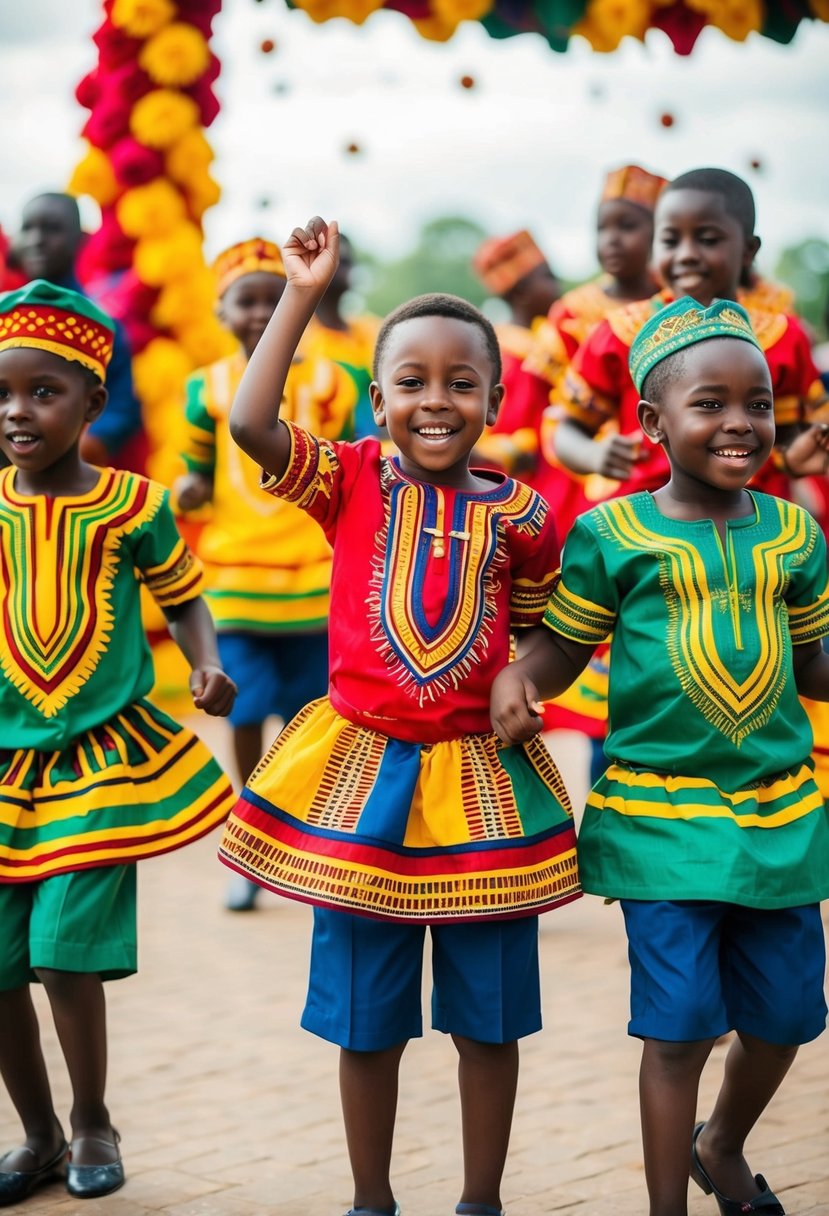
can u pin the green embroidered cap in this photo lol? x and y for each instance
(683, 323)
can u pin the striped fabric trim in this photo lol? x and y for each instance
(578, 618)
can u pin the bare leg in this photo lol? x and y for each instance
(487, 1080)
(753, 1073)
(247, 751)
(24, 1072)
(368, 1091)
(79, 1010)
(668, 1086)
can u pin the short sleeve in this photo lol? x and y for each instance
(584, 603)
(168, 567)
(314, 478)
(199, 444)
(593, 385)
(807, 594)
(535, 566)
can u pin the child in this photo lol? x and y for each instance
(387, 804)
(704, 244)
(267, 565)
(92, 776)
(707, 824)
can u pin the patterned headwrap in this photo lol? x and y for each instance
(55, 319)
(502, 260)
(683, 323)
(247, 257)
(634, 185)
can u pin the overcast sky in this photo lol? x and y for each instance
(527, 146)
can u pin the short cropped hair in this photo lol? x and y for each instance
(735, 193)
(436, 304)
(660, 376)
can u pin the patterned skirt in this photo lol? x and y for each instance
(138, 785)
(345, 817)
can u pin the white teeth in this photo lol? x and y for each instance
(434, 430)
(733, 451)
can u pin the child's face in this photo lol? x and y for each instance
(699, 249)
(624, 233)
(49, 239)
(248, 304)
(716, 416)
(45, 402)
(435, 394)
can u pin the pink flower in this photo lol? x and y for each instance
(135, 164)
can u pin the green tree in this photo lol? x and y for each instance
(805, 268)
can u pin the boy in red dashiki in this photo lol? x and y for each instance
(93, 777)
(387, 804)
(704, 245)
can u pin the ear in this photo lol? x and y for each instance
(377, 405)
(752, 248)
(496, 396)
(95, 403)
(648, 415)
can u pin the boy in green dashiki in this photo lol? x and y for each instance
(707, 824)
(93, 777)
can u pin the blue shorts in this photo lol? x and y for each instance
(364, 991)
(275, 673)
(699, 969)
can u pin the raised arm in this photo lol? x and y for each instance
(310, 256)
(549, 663)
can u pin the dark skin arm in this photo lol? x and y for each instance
(191, 627)
(811, 671)
(612, 456)
(311, 256)
(548, 664)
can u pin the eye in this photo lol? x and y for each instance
(762, 406)
(708, 404)
(462, 386)
(409, 382)
(43, 391)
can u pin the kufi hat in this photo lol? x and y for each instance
(502, 260)
(247, 257)
(634, 185)
(58, 320)
(683, 323)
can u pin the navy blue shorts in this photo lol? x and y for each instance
(275, 673)
(365, 986)
(699, 969)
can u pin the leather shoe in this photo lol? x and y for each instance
(17, 1184)
(91, 1181)
(766, 1202)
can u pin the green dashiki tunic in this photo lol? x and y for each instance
(709, 793)
(91, 773)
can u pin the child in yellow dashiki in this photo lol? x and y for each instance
(387, 804)
(267, 565)
(92, 776)
(707, 824)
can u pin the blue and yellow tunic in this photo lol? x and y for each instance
(90, 772)
(710, 791)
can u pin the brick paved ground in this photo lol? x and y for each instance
(227, 1108)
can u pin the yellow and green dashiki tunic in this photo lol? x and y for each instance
(267, 565)
(91, 773)
(709, 793)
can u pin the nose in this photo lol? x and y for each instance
(686, 251)
(738, 420)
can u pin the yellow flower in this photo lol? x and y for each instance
(159, 260)
(141, 18)
(736, 18)
(435, 28)
(93, 175)
(180, 301)
(150, 211)
(177, 55)
(202, 192)
(453, 11)
(188, 156)
(161, 117)
(205, 341)
(160, 369)
(607, 22)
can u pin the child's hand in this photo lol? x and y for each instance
(515, 709)
(312, 254)
(808, 453)
(192, 491)
(212, 690)
(617, 454)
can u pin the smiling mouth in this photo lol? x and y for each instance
(434, 432)
(21, 438)
(734, 453)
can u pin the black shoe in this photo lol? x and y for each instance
(766, 1202)
(17, 1184)
(91, 1181)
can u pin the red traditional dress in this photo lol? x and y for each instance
(392, 796)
